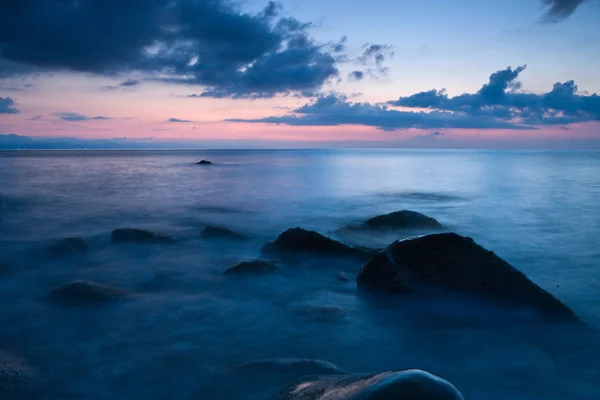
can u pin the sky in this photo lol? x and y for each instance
(300, 73)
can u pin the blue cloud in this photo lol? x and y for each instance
(7, 106)
(178, 120)
(558, 10)
(335, 110)
(499, 99)
(210, 43)
(74, 117)
(356, 76)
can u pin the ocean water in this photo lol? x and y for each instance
(188, 324)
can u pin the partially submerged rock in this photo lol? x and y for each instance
(392, 385)
(17, 378)
(132, 235)
(68, 247)
(290, 366)
(319, 312)
(216, 232)
(252, 267)
(204, 162)
(403, 219)
(456, 263)
(80, 293)
(298, 240)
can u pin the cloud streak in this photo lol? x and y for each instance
(177, 120)
(559, 10)
(7, 106)
(74, 117)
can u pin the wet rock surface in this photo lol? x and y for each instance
(252, 267)
(403, 219)
(217, 232)
(298, 240)
(457, 263)
(68, 247)
(392, 385)
(81, 293)
(18, 380)
(133, 235)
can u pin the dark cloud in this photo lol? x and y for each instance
(335, 110)
(7, 106)
(376, 55)
(128, 84)
(498, 99)
(211, 43)
(178, 120)
(356, 76)
(74, 117)
(558, 10)
(36, 118)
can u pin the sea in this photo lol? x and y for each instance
(188, 326)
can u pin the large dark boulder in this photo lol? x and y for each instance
(132, 235)
(68, 247)
(81, 293)
(252, 267)
(18, 379)
(392, 385)
(217, 232)
(404, 219)
(456, 263)
(204, 162)
(298, 240)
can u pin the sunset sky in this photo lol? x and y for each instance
(303, 73)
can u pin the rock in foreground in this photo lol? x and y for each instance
(81, 293)
(393, 385)
(295, 366)
(252, 267)
(17, 378)
(216, 232)
(204, 162)
(68, 247)
(132, 235)
(404, 219)
(298, 240)
(458, 264)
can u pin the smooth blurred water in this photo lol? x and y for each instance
(538, 210)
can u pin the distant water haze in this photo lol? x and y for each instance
(539, 210)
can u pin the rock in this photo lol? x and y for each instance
(252, 267)
(456, 263)
(297, 367)
(318, 312)
(68, 247)
(17, 378)
(215, 232)
(204, 162)
(132, 235)
(298, 240)
(402, 219)
(392, 385)
(80, 293)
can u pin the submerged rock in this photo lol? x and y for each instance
(68, 247)
(290, 366)
(216, 232)
(252, 267)
(392, 385)
(204, 162)
(17, 378)
(298, 240)
(132, 235)
(459, 264)
(80, 293)
(402, 219)
(319, 312)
